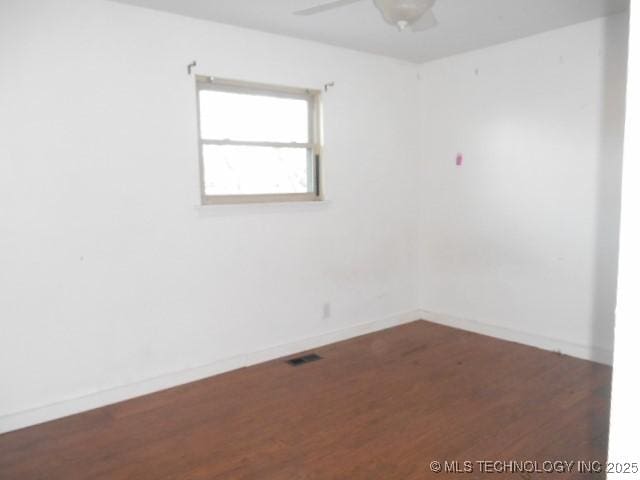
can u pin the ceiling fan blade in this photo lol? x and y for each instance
(426, 22)
(325, 7)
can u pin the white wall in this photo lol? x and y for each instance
(521, 241)
(625, 416)
(110, 273)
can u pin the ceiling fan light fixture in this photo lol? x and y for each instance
(403, 13)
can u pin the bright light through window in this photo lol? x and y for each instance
(257, 143)
(238, 170)
(253, 118)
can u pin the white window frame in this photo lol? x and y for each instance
(313, 146)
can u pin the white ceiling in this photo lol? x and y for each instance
(464, 24)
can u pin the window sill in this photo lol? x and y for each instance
(257, 199)
(212, 209)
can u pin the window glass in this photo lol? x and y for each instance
(240, 170)
(253, 118)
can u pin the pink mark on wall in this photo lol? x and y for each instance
(459, 160)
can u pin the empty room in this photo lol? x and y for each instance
(319, 240)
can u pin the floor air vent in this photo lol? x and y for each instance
(296, 362)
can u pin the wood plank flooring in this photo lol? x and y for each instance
(377, 407)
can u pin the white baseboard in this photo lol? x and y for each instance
(586, 352)
(72, 406)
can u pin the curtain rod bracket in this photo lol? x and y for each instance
(329, 85)
(191, 66)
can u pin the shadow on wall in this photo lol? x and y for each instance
(614, 78)
(607, 224)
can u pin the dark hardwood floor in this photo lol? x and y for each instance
(377, 407)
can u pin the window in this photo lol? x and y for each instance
(258, 143)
